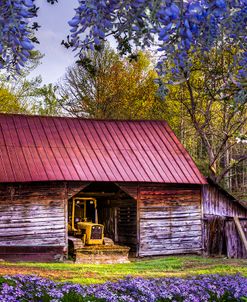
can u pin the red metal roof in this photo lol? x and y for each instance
(37, 148)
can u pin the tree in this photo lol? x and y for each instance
(9, 103)
(106, 86)
(23, 95)
(46, 101)
(217, 110)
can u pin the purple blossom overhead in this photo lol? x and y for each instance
(16, 39)
(195, 289)
(174, 28)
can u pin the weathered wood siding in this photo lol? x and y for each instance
(217, 202)
(221, 237)
(170, 219)
(33, 221)
(235, 247)
(220, 234)
(214, 235)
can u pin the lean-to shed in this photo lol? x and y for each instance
(149, 190)
(222, 215)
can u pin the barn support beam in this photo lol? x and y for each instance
(240, 231)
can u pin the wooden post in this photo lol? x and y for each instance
(115, 209)
(138, 221)
(240, 231)
(203, 228)
(65, 200)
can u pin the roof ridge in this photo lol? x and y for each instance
(81, 118)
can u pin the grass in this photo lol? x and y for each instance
(179, 266)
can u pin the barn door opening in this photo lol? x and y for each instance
(116, 210)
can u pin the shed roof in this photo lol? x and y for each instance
(225, 192)
(37, 148)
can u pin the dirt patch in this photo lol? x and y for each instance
(46, 273)
(213, 263)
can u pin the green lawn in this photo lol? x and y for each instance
(178, 266)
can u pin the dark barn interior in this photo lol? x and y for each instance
(117, 211)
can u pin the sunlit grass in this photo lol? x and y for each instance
(179, 266)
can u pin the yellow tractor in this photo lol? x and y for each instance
(84, 228)
(87, 243)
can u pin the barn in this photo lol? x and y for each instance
(151, 196)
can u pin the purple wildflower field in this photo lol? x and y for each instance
(194, 289)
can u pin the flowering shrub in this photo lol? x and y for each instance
(195, 289)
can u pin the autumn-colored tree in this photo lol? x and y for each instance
(107, 86)
(9, 103)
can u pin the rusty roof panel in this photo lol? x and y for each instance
(36, 148)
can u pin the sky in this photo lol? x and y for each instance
(54, 28)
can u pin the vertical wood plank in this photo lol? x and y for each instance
(66, 219)
(138, 220)
(240, 231)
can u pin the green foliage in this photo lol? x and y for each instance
(9, 103)
(2, 280)
(227, 297)
(75, 297)
(29, 97)
(45, 298)
(46, 101)
(9, 282)
(23, 95)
